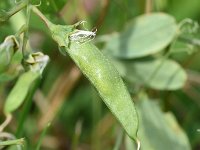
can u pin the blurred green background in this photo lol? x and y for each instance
(169, 112)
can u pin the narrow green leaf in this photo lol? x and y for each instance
(156, 74)
(19, 91)
(42, 136)
(146, 35)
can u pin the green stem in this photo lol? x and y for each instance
(38, 13)
(12, 142)
(26, 108)
(25, 51)
(42, 136)
(192, 41)
(163, 59)
(21, 30)
(14, 10)
(119, 140)
(17, 8)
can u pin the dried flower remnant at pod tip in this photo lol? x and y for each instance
(82, 36)
(37, 62)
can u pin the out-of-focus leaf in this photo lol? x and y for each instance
(79, 105)
(19, 91)
(185, 9)
(159, 131)
(52, 6)
(143, 36)
(156, 74)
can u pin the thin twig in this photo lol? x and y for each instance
(39, 14)
(103, 13)
(192, 41)
(14, 10)
(6, 122)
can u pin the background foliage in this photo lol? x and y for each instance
(155, 47)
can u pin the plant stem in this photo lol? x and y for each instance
(25, 51)
(14, 10)
(18, 7)
(119, 140)
(12, 142)
(6, 122)
(42, 136)
(38, 13)
(192, 41)
(21, 30)
(163, 59)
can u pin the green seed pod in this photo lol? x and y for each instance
(19, 92)
(103, 75)
(7, 49)
(100, 71)
(36, 63)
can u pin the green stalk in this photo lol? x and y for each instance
(42, 136)
(192, 41)
(25, 51)
(39, 14)
(163, 59)
(14, 10)
(12, 142)
(119, 141)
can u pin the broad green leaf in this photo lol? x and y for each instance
(19, 91)
(146, 35)
(158, 130)
(157, 74)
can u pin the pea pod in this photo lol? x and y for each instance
(36, 63)
(98, 69)
(101, 73)
(19, 92)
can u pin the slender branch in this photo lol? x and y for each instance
(103, 13)
(119, 140)
(25, 51)
(163, 59)
(192, 41)
(18, 7)
(39, 14)
(12, 142)
(6, 122)
(42, 136)
(13, 11)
